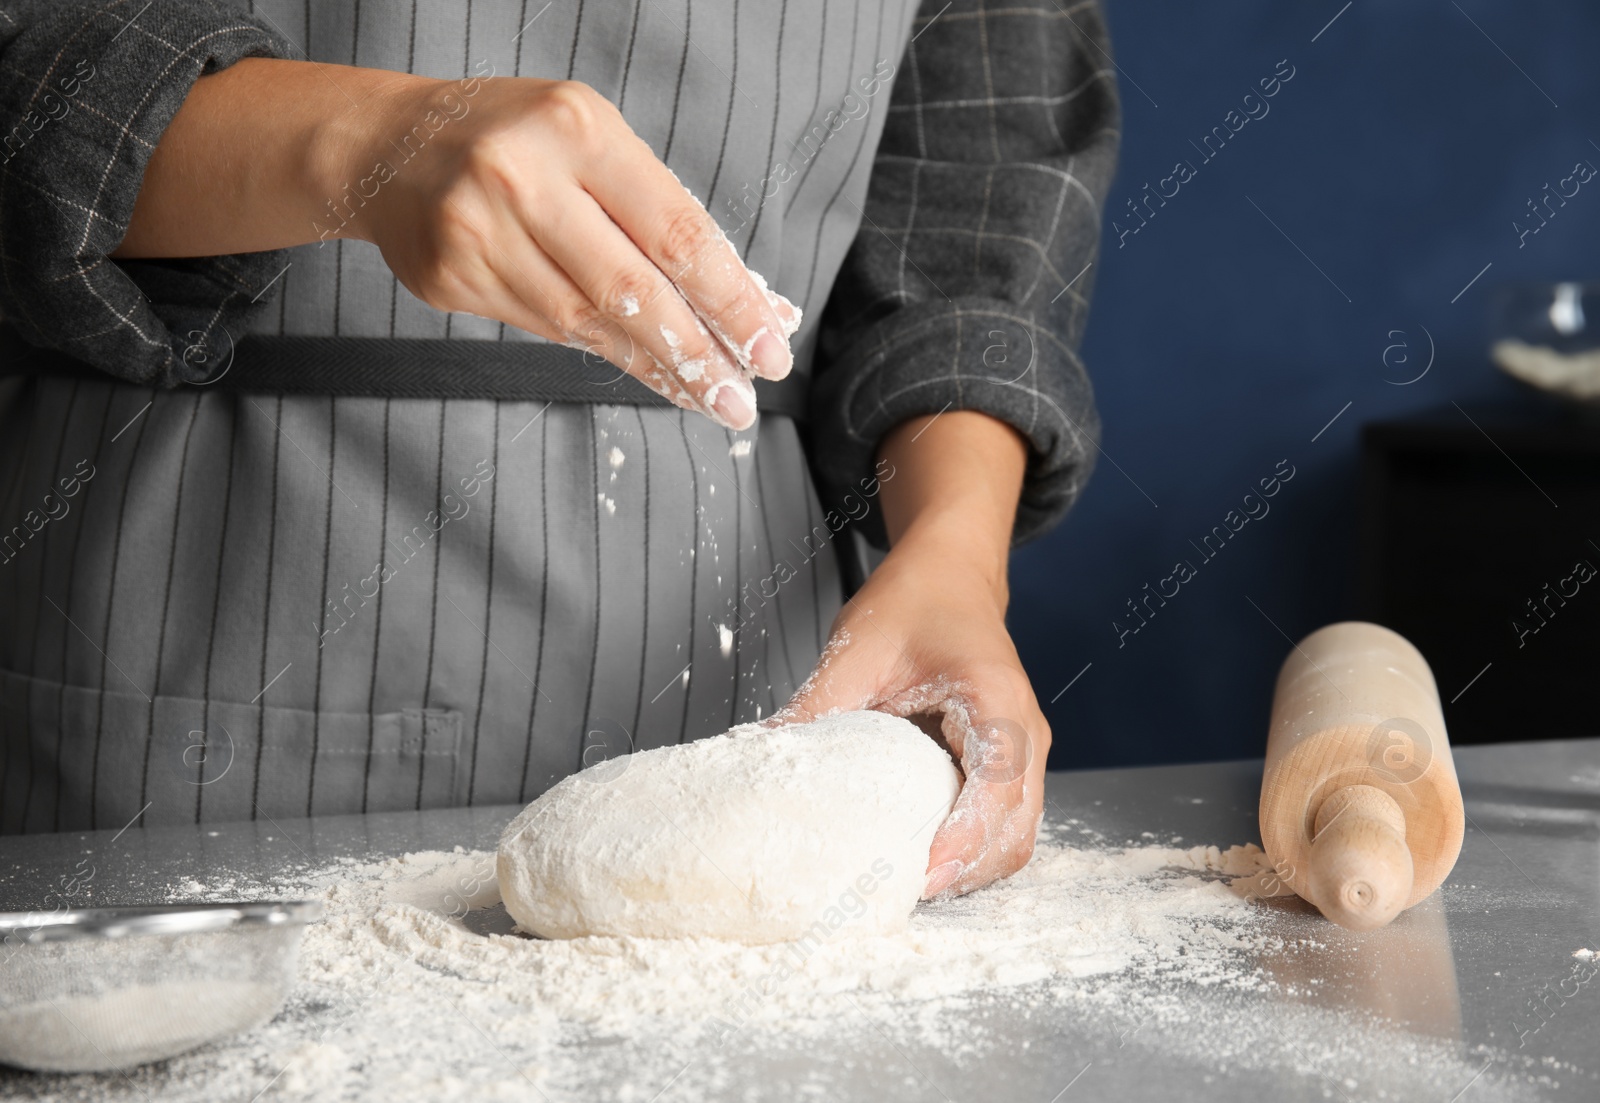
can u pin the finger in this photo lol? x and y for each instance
(843, 681)
(477, 288)
(624, 286)
(680, 237)
(497, 271)
(963, 848)
(789, 315)
(990, 831)
(988, 836)
(531, 277)
(545, 301)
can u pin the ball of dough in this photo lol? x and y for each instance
(756, 836)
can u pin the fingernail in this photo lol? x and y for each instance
(771, 357)
(730, 406)
(940, 878)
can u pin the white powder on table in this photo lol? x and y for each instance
(405, 992)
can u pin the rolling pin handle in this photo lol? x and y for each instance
(1360, 866)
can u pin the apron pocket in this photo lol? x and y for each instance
(77, 758)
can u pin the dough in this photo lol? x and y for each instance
(756, 836)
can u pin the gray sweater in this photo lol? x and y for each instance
(965, 287)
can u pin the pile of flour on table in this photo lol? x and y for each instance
(413, 986)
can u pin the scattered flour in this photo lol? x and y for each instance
(400, 972)
(415, 987)
(689, 369)
(1071, 913)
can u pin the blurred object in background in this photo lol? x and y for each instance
(1479, 540)
(1548, 336)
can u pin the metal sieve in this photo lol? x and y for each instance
(96, 989)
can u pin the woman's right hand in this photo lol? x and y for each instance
(527, 201)
(533, 203)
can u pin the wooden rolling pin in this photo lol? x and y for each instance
(1360, 807)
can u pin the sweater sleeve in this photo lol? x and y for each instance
(967, 285)
(87, 88)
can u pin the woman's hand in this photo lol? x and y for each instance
(527, 201)
(926, 636)
(535, 204)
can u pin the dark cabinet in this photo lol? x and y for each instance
(1480, 542)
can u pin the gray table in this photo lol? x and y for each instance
(1474, 995)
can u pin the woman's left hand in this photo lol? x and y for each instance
(926, 636)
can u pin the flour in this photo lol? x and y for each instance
(413, 987)
(789, 315)
(129, 1025)
(1071, 913)
(399, 951)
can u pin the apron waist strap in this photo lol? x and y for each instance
(405, 367)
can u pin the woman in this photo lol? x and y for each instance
(309, 507)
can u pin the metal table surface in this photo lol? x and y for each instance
(1484, 972)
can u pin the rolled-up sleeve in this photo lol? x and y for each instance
(87, 88)
(967, 286)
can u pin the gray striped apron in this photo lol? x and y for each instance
(229, 605)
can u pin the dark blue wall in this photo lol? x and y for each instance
(1396, 158)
